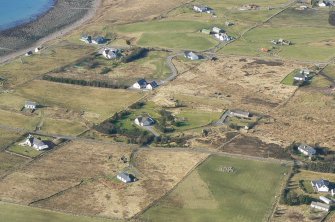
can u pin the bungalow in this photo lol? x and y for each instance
(240, 113)
(320, 206)
(35, 143)
(306, 150)
(140, 84)
(205, 9)
(191, 55)
(144, 121)
(99, 40)
(300, 77)
(111, 53)
(223, 37)
(126, 177)
(217, 30)
(320, 185)
(86, 38)
(30, 105)
(152, 85)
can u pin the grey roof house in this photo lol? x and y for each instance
(306, 150)
(30, 105)
(144, 121)
(126, 177)
(321, 185)
(191, 55)
(240, 113)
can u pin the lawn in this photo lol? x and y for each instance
(96, 104)
(208, 194)
(24, 150)
(289, 79)
(17, 213)
(197, 118)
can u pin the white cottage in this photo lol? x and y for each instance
(30, 105)
(144, 121)
(35, 143)
(320, 185)
(306, 150)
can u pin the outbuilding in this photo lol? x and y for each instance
(320, 206)
(306, 150)
(30, 105)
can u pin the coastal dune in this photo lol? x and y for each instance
(64, 16)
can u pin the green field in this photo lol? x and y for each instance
(309, 43)
(208, 194)
(170, 34)
(289, 79)
(17, 213)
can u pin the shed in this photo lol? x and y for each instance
(240, 113)
(217, 30)
(325, 199)
(99, 40)
(206, 31)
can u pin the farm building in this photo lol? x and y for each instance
(205, 9)
(227, 23)
(320, 206)
(240, 113)
(191, 55)
(30, 105)
(325, 199)
(86, 38)
(306, 150)
(217, 30)
(152, 85)
(320, 185)
(305, 71)
(99, 40)
(111, 53)
(223, 37)
(144, 121)
(126, 177)
(35, 143)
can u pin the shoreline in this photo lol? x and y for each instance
(62, 31)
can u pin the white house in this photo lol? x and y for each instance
(29, 53)
(126, 177)
(322, 4)
(144, 121)
(325, 199)
(35, 143)
(191, 55)
(205, 9)
(300, 77)
(320, 206)
(30, 105)
(111, 53)
(38, 49)
(217, 30)
(152, 85)
(140, 84)
(320, 185)
(86, 38)
(306, 150)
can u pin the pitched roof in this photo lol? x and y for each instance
(307, 148)
(30, 103)
(320, 183)
(37, 142)
(142, 82)
(127, 177)
(153, 84)
(320, 205)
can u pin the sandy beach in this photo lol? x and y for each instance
(66, 28)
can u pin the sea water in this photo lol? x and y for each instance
(17, 12)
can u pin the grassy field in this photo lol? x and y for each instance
(96, 103)
(17, 213)
(170, 34)
(7, 137)
(9, 161)
(209, 194)
(310, 43)
(24, 150)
